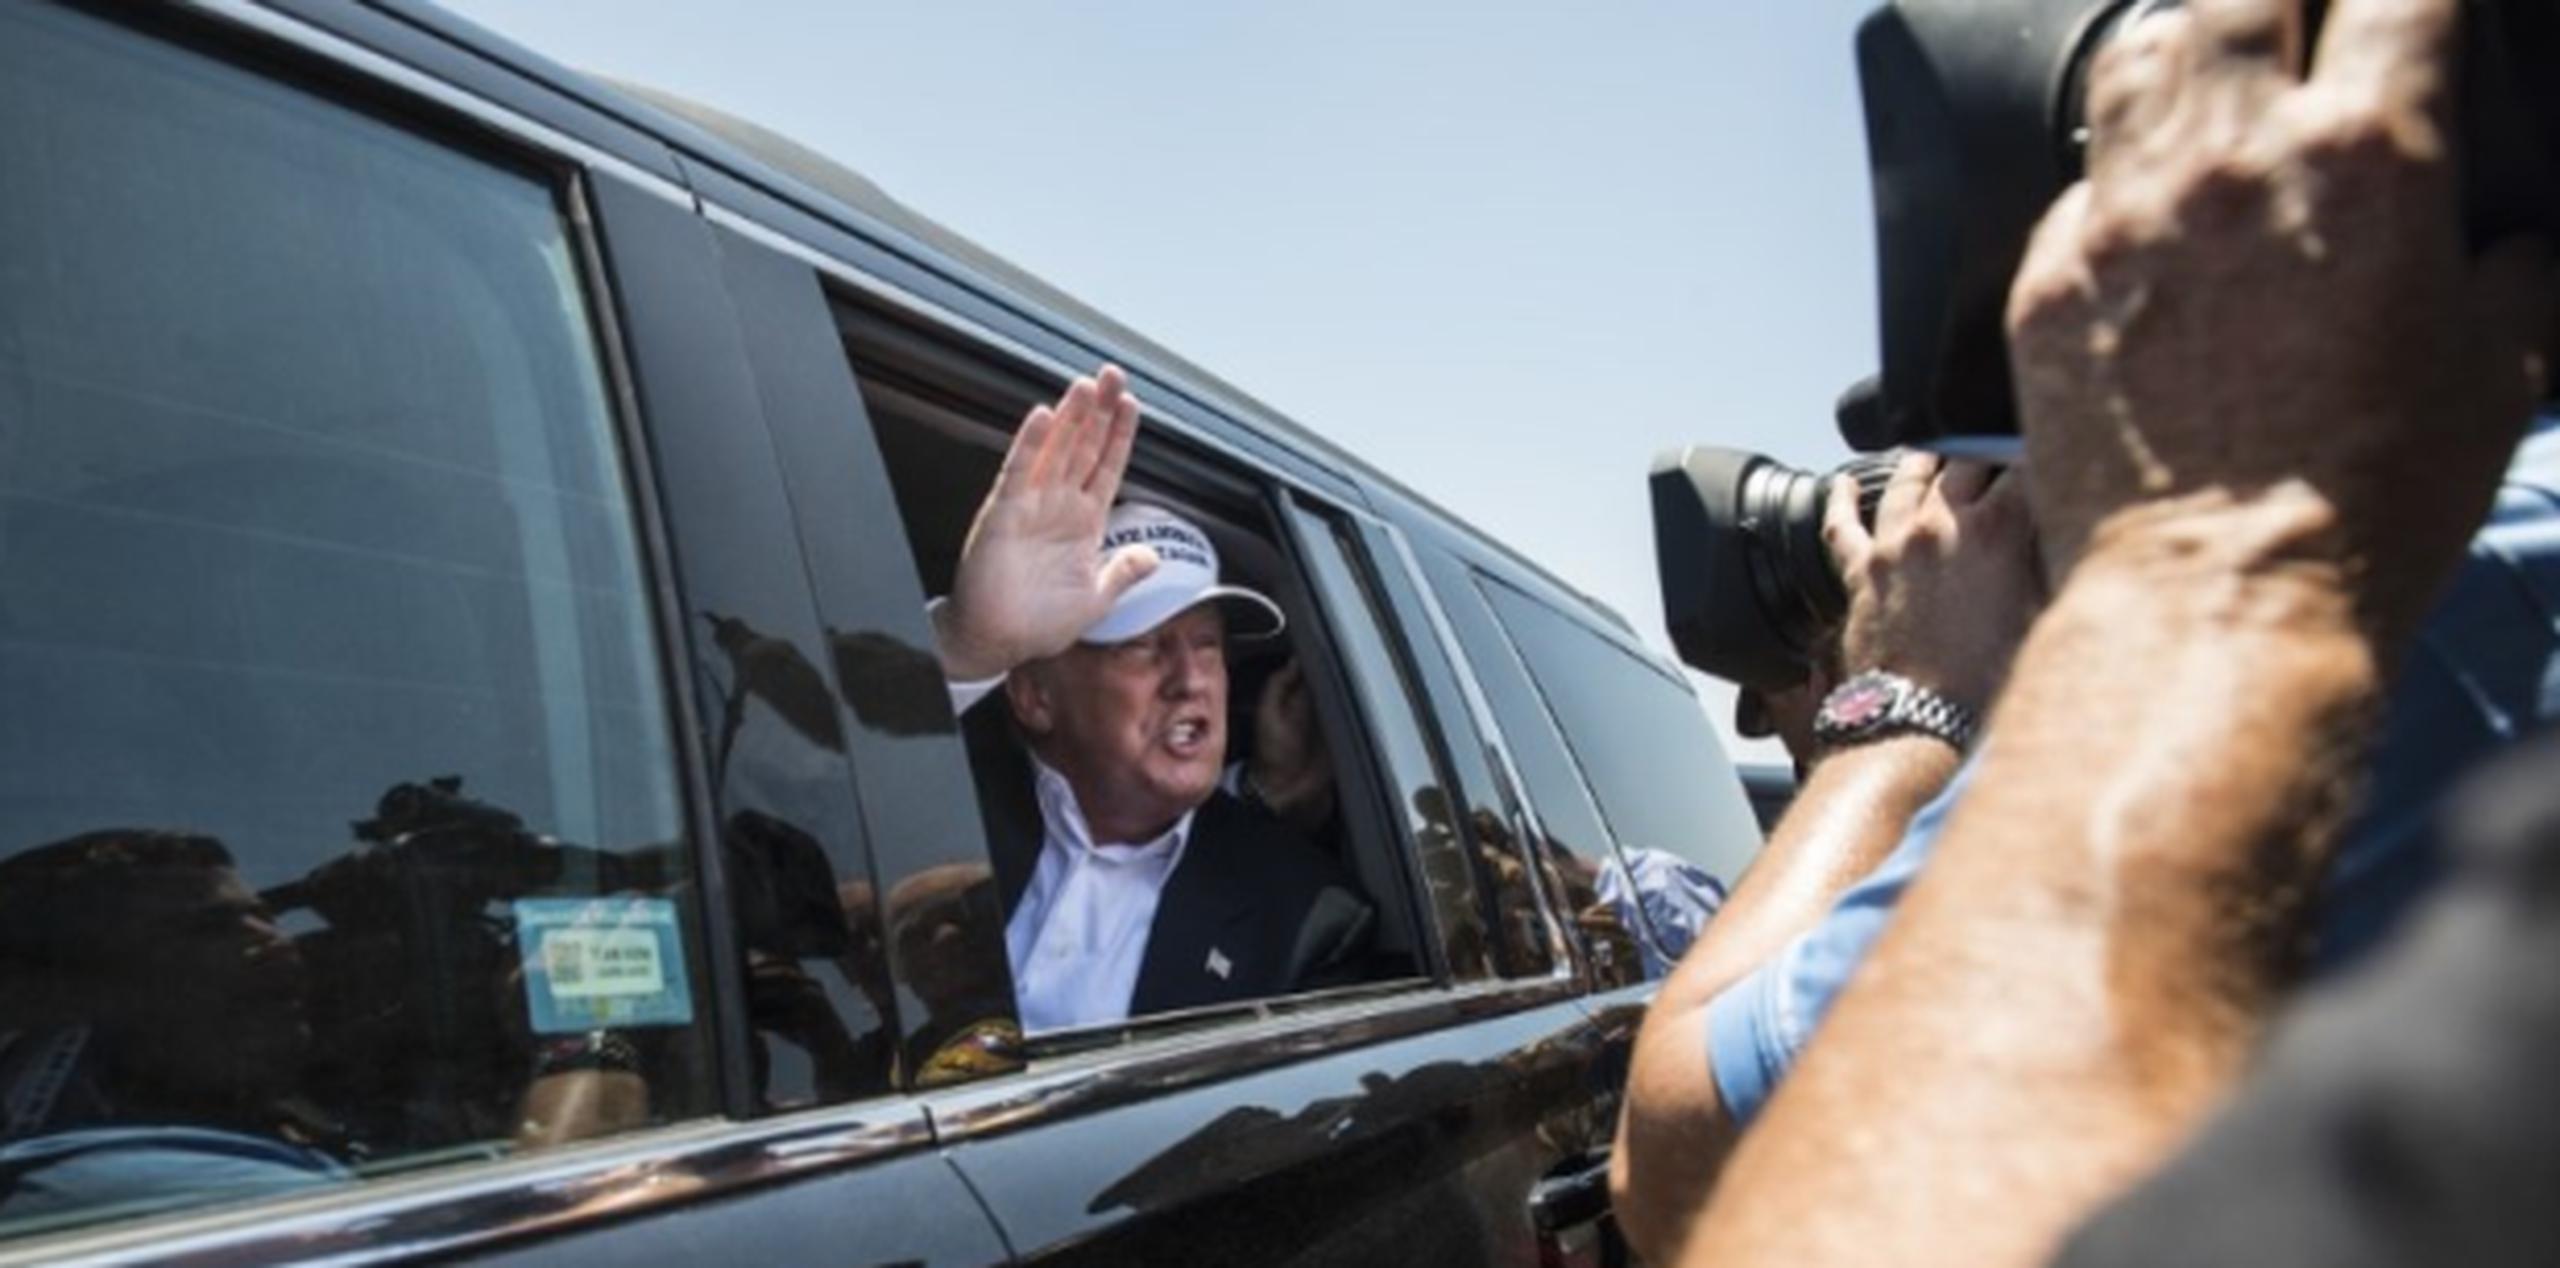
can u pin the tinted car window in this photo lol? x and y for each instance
(1423, 800)
(1523, 944)
(1664, 786)
(1583, 865)
(338, 830)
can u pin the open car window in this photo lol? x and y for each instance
(1279, 886)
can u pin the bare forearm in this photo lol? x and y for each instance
(1847, 817)
(1676, 1132)
(2081, 971)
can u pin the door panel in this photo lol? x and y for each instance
(1421, 1149)
(908, 1210)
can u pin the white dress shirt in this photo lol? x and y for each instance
(1080, 934)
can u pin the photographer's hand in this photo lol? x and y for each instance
(2258, 313)
(1032, 575)
(1940, 592)
(1942, 589)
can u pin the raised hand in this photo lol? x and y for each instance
(1032, 574)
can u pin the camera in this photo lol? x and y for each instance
(1975, 125)
(1748, 588)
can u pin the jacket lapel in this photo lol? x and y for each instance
(1188, 962)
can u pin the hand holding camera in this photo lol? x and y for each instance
(2163, 367)
(1942, 588)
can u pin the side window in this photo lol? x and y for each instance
(1663, 785)
(339, 832)
(1193, 761)
(1523, 945)
(1583, 868)
(1420, 793)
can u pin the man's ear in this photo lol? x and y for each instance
(1028, 693)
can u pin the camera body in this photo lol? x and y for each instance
(1975, 125)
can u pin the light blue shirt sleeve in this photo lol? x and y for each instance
(2486, 670)
(1757, 1027)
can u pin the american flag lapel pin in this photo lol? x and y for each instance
(1219, 964)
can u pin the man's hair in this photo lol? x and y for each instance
(54, 898)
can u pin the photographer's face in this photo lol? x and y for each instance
(1786, 714)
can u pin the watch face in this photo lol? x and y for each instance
(1859, 704)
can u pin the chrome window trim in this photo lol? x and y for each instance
(294, 31)
(1100, 1079)
(1480, 709)
(913, 305)
(443, 1213)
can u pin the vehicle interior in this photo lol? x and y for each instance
(944, 416)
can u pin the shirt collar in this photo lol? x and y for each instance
(1063, 819)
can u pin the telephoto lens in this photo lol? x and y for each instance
(1748, 589)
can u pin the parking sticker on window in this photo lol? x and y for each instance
(598, 963)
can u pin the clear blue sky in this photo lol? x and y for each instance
(1504, 250)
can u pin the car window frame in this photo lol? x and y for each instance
(1429, 633)
(1460, 582)
(1078, 1071)
(1179, 452)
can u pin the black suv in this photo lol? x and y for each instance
(473, 777)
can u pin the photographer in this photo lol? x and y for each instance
(2471, 685)
(2235, 343)
(1939, 594)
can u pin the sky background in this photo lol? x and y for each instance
(1506, 251)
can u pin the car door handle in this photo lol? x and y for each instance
(1571, 1198)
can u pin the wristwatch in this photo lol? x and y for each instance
(1875, 704)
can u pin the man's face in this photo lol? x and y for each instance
(209, 987)
(1788, 712)
(1138, 728)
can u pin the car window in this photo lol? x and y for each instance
(1662, 784)
(1583, 869)
(1421, 794)
(339, 832)
(1200, 770)
(1523, 941)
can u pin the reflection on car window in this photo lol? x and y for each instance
(1522, 931)
(1578, 860)
(1663, 785)
(337, 831)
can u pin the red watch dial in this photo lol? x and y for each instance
(1862, 704)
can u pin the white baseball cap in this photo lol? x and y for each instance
(1186, 576)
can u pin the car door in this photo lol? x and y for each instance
(1409, 1122)
(381, 437)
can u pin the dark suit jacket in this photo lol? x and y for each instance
(1252, 911)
